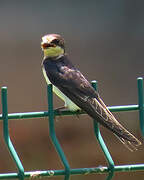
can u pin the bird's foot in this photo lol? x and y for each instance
(78, 112)
(59, 110)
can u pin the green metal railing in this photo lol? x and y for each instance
(51, 113)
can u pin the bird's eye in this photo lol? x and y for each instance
(56, 41)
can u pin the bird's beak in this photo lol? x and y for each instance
(46, 45)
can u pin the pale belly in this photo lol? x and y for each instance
(68, 103)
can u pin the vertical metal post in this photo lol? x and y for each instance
(102, 144)
(53, 134)
(141, 103)
(6, 134)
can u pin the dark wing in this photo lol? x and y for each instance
(74, 85)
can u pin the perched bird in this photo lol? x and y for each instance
(77, 93)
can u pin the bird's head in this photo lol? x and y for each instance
(52, 45)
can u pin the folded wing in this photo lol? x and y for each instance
(79, 90)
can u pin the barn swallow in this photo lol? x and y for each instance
(77, 93)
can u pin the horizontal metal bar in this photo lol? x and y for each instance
(123, 108)
(79, 171)
(28, 115)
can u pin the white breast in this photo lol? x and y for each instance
(68, 103)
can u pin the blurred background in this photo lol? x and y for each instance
(105, 40)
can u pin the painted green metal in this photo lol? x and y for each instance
(6, 134)
(53, 133)
(78, 171)
(110, 170)
(102, 144)
(141, 103)
(32, 115)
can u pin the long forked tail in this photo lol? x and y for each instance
(128, 139)
(132, 146)
(100, 113)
